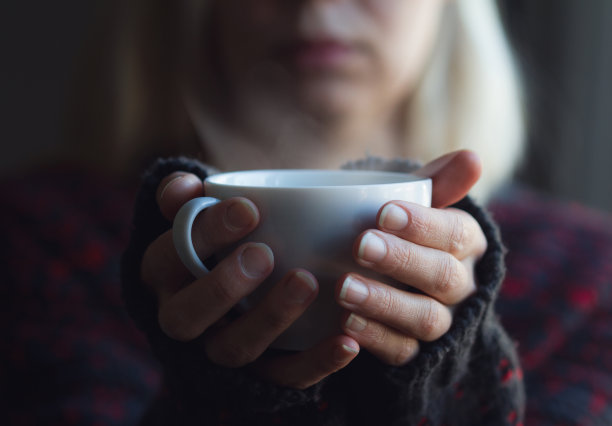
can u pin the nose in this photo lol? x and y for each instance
(324, 17)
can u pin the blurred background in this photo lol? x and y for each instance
(564, 49)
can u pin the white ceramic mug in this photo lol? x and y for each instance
(310, 219)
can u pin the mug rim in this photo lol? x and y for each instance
(395, 178)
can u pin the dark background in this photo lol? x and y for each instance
(564, 49)
(41, 43)
(565, 52)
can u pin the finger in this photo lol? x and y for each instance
(451, 230)
(300, 370)
(416, 315)
(436, 273)
(175, 190)
(245, 339)
(215, 228)
(452, 176)
(162, 269)
(187, 313)
(222, 224)
(387, 344)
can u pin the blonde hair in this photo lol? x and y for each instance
(469, 96)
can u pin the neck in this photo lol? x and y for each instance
(297, 140)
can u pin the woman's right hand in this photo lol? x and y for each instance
(189, 308)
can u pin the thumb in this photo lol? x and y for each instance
(452, 175)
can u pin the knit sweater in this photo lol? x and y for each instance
(471, 375)
(70, 355)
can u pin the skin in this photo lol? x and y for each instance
(435, 252)
(387, 43)
(354, 102)
(314, 112)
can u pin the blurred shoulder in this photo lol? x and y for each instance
(63, 231)
(62, 220)
(559, 254)
(63, 194)
(523, 213)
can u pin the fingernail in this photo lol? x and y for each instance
(393, 218)
(239, 215)
(343, 351)
(187, 180)
(300, 287)
(372, 248)
(353, 291)
(256, 260)
(356, 323)
(161, 196)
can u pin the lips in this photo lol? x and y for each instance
(322, 54)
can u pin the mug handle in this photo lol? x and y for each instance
(181, 234)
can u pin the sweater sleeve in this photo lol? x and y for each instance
(199, 391)
(469, 376)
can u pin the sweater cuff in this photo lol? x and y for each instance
(470, 352)
(194, 382)
(452, 351)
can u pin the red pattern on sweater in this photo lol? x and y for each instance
(71, 356)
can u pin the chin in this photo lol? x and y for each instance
(331, 101)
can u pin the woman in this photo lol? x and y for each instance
(456, 69)
(314, 84)
(251, 84)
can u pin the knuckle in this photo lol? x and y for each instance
(230, 354)
(407, 351)
(379, 336)
(275, 320)
(459, 234)
(403, 259)
(209, 229)
(420, 223)
(385, 304)
(431, 324)
(223, 292)
(449, 277)
(175, 326)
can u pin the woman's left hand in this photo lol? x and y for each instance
(432, 249)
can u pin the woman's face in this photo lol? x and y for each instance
(328, 57)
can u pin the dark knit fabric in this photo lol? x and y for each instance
(188, 373)
(557, 302)
(459, 379)
(70, 356)
(69, 353)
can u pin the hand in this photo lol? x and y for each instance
(188, 308)
(431, 249)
